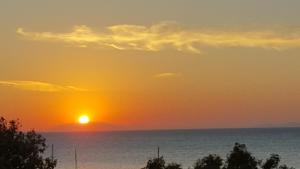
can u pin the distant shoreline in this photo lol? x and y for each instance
(174, 130)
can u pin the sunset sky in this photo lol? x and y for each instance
(156, 64)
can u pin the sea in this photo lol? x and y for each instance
(132, 149)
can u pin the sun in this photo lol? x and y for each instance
(83, 119)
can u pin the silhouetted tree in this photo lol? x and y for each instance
(240, 158)
(285, 167)
(173, 166)
(272, 162)
(20, 150)
(212, 161)
(156, 163)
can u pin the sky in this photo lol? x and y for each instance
(137, 64)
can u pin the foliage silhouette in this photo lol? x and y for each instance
(159, 163)
(238, 158)
(285, 167)
(173, 166)
(272, 162)
(241, 158)
(156, 163)
(211, 161)
(20, 150)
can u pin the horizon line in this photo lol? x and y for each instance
(168, 129)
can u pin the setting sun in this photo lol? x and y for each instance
(84, 119)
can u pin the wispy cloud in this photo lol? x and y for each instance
(168, 35)
(167, 75)
(39, 86)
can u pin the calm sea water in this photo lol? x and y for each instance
(131, 150)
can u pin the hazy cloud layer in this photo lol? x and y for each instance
(168, 35)
(167, 75)
(39, 86)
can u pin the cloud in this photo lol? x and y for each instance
(167, 75)
(168, 35)
(39, 86)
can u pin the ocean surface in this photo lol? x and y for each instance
(132, 149)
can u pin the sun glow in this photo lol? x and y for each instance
(84, 119)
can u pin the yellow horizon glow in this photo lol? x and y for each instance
(84, 119)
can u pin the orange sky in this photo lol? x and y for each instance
(129, 68)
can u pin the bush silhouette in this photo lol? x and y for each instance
(173, 166)
(19, 150)
(209, 162)
(159, 163)
(285, 167)
(240, 158)
(272, 162)
(155, 163)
